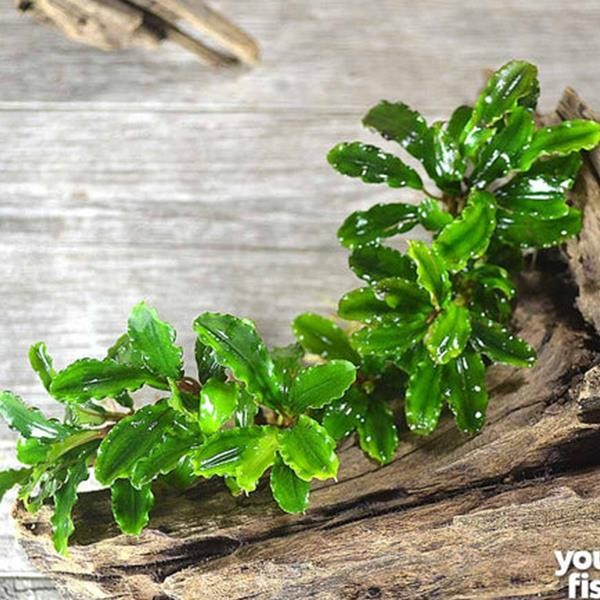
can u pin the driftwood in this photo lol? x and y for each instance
(118, 24)
(451, 517)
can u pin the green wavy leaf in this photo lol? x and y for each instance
(463, 382)
(449, 333)
(155, 341)
(92, 379)
(513, 84)
(432, 216)
(241, 453)
(131, 506)
(390, 339)
(540, 196)
(29, 421)
(378, 222)
(218, 401)
(501, 345)
(289, 491)
(309, 450)
(397, 122)
(526, 231)
(65, 498)
(132, 439)
(423, 400)
(238, 347)
(468, 236)
(11, 477)
(432, 273)
(502, 152)
(377, 433)
(374, 263)
(321, 336)
(317, 386)
(373, 165)
(41, 363)
(342, 416)
(561, 139)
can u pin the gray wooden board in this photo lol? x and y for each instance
(142, 175)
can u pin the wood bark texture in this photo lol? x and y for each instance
(450, 517)
(118, 24)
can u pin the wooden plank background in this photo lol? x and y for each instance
(142, 175)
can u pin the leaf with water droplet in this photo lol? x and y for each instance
(564, 168)
(513, 84)
(404, 297)
(396, 121)
(373, 165)
(564, 138)
(432, 216)
(468, 236)
(448, 334)
(499, 344)
(540, 196)
(443, 160)
(218, 401)
(288, 361)
(289, 491)
(390, 340)
(378, 222)
(392, 299)
(374, 262)
(317, 386)
(526, 231)
(342, 416)
(502, 152)
(154, 340)
(238, 347)
(423, 401)
(432, 274)
(463, 384)
(309, 450)
(321, 336)
(491, 277)
(377, 433)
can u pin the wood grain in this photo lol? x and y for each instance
(143, 175)
(428, 53)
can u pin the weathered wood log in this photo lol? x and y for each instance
(450, 517)
(118, 24)
(584, 253)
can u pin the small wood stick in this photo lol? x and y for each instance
(116, 24)
(207, 20)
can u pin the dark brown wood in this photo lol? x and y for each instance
(451, 517)
(584, 254)
(118, 24)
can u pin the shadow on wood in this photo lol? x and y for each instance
(451, 516)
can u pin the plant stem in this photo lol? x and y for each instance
(428, 193)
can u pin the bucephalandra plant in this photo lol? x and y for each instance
(423, 329)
